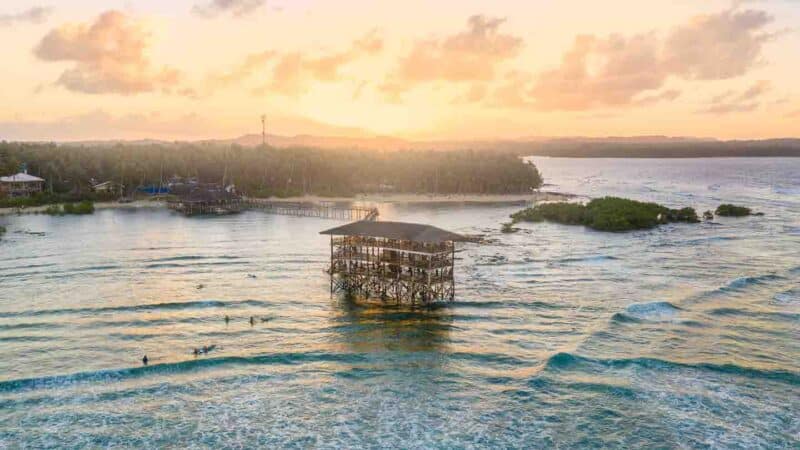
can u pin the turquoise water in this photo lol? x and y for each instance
(684, 336)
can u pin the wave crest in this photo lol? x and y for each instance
(650, 311)
(116, 375)
(568, 361)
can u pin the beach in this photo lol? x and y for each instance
(359, 198)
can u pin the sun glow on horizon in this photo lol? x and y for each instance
(200, 69)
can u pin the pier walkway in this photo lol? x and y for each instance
(322, 211)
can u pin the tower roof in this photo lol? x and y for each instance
(396, 230)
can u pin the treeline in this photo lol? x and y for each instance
(672, 148)
(266, 171)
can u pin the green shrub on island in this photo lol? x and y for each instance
(607, 214)
(84, 207)
(54, 210)
(46, 198)
(728, 210)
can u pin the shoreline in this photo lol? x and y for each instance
(429, 198)
(534, 197)
(137, 204)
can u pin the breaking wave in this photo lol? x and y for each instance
(567, 361)
(651, 311)
(117, 375)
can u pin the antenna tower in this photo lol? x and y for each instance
(263, 129)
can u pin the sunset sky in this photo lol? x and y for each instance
(191, 69)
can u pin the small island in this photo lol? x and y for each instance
(728, 210)
(605, 214)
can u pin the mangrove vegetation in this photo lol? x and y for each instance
(79, 208)
(728, 210)
(606, 214)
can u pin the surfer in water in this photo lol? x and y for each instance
(144, 360)
(252, 321)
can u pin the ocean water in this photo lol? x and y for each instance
(687, 336)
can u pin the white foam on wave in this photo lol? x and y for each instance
(652, 310)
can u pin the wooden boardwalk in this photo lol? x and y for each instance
(323, 211)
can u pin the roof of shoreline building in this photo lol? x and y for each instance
(20, 178)
(396, 230)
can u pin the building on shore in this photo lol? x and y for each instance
(107, 187)
(405, 262)
(201, 199)
(21, 185)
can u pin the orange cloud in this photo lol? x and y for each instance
(716, 46)
(608, 71)
(474, 94)
(371, 43)
(665, 95)
(617, 70)
(470, 55)
(251, 64)
(294, 71)
(732, 102)
(109, 56)
(512, 92)
(291, 72)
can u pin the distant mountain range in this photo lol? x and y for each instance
(577, 147)
(393, 143)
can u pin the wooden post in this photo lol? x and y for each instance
(453, 272)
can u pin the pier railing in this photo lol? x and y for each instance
(322, 211)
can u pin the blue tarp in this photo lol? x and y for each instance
(153, 190)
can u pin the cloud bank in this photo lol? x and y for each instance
(619, 70)
(733, 102)
(470, 55)
(108, 56)
(291, 73)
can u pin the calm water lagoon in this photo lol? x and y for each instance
(682, 336)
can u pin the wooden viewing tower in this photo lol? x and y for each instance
(404, 262)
